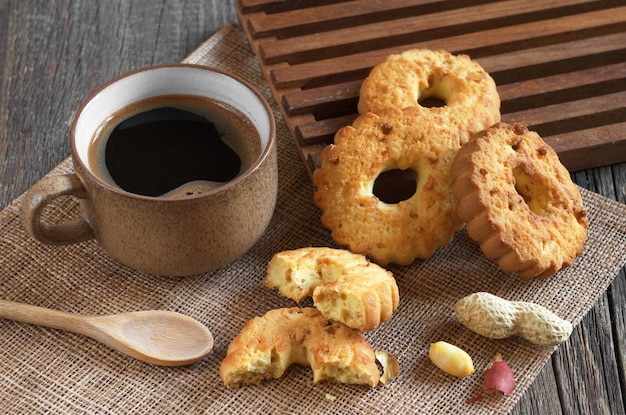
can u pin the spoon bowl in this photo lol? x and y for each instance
(159, 337)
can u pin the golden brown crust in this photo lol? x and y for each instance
(393, 139)
(345, 287)
(519, 201)
(472, 101)
(268, 345)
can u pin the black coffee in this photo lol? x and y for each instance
(174, 146)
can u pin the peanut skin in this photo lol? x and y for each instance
(497, 318)
(499, 377)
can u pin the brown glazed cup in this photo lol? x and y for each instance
(169, 237)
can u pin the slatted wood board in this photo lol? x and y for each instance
(560, 65)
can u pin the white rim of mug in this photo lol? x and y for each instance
(271, 142)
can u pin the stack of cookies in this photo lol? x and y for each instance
(400, 130)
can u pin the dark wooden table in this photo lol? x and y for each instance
(54, 52)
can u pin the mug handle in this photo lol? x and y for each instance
(40, 195)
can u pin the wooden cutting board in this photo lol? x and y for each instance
(560, 65)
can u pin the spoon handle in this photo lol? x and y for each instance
(26, 313)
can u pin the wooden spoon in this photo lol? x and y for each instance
(159, 337)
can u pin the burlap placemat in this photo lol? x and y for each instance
(49, 371)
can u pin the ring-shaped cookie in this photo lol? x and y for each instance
(345, 286)
(519, 201)
(270, 344)
(393, 139)
(403, 80)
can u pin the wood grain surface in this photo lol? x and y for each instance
(559, 65)
(54, 52)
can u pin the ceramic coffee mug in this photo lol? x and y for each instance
(171, 236)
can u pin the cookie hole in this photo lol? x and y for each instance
(394, 186)
(436, 95)
(432, 102)
(533, 191)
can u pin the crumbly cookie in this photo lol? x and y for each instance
(393, 139)
(268, 345)
(345, 287)
(519, 201)
(403, 80)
